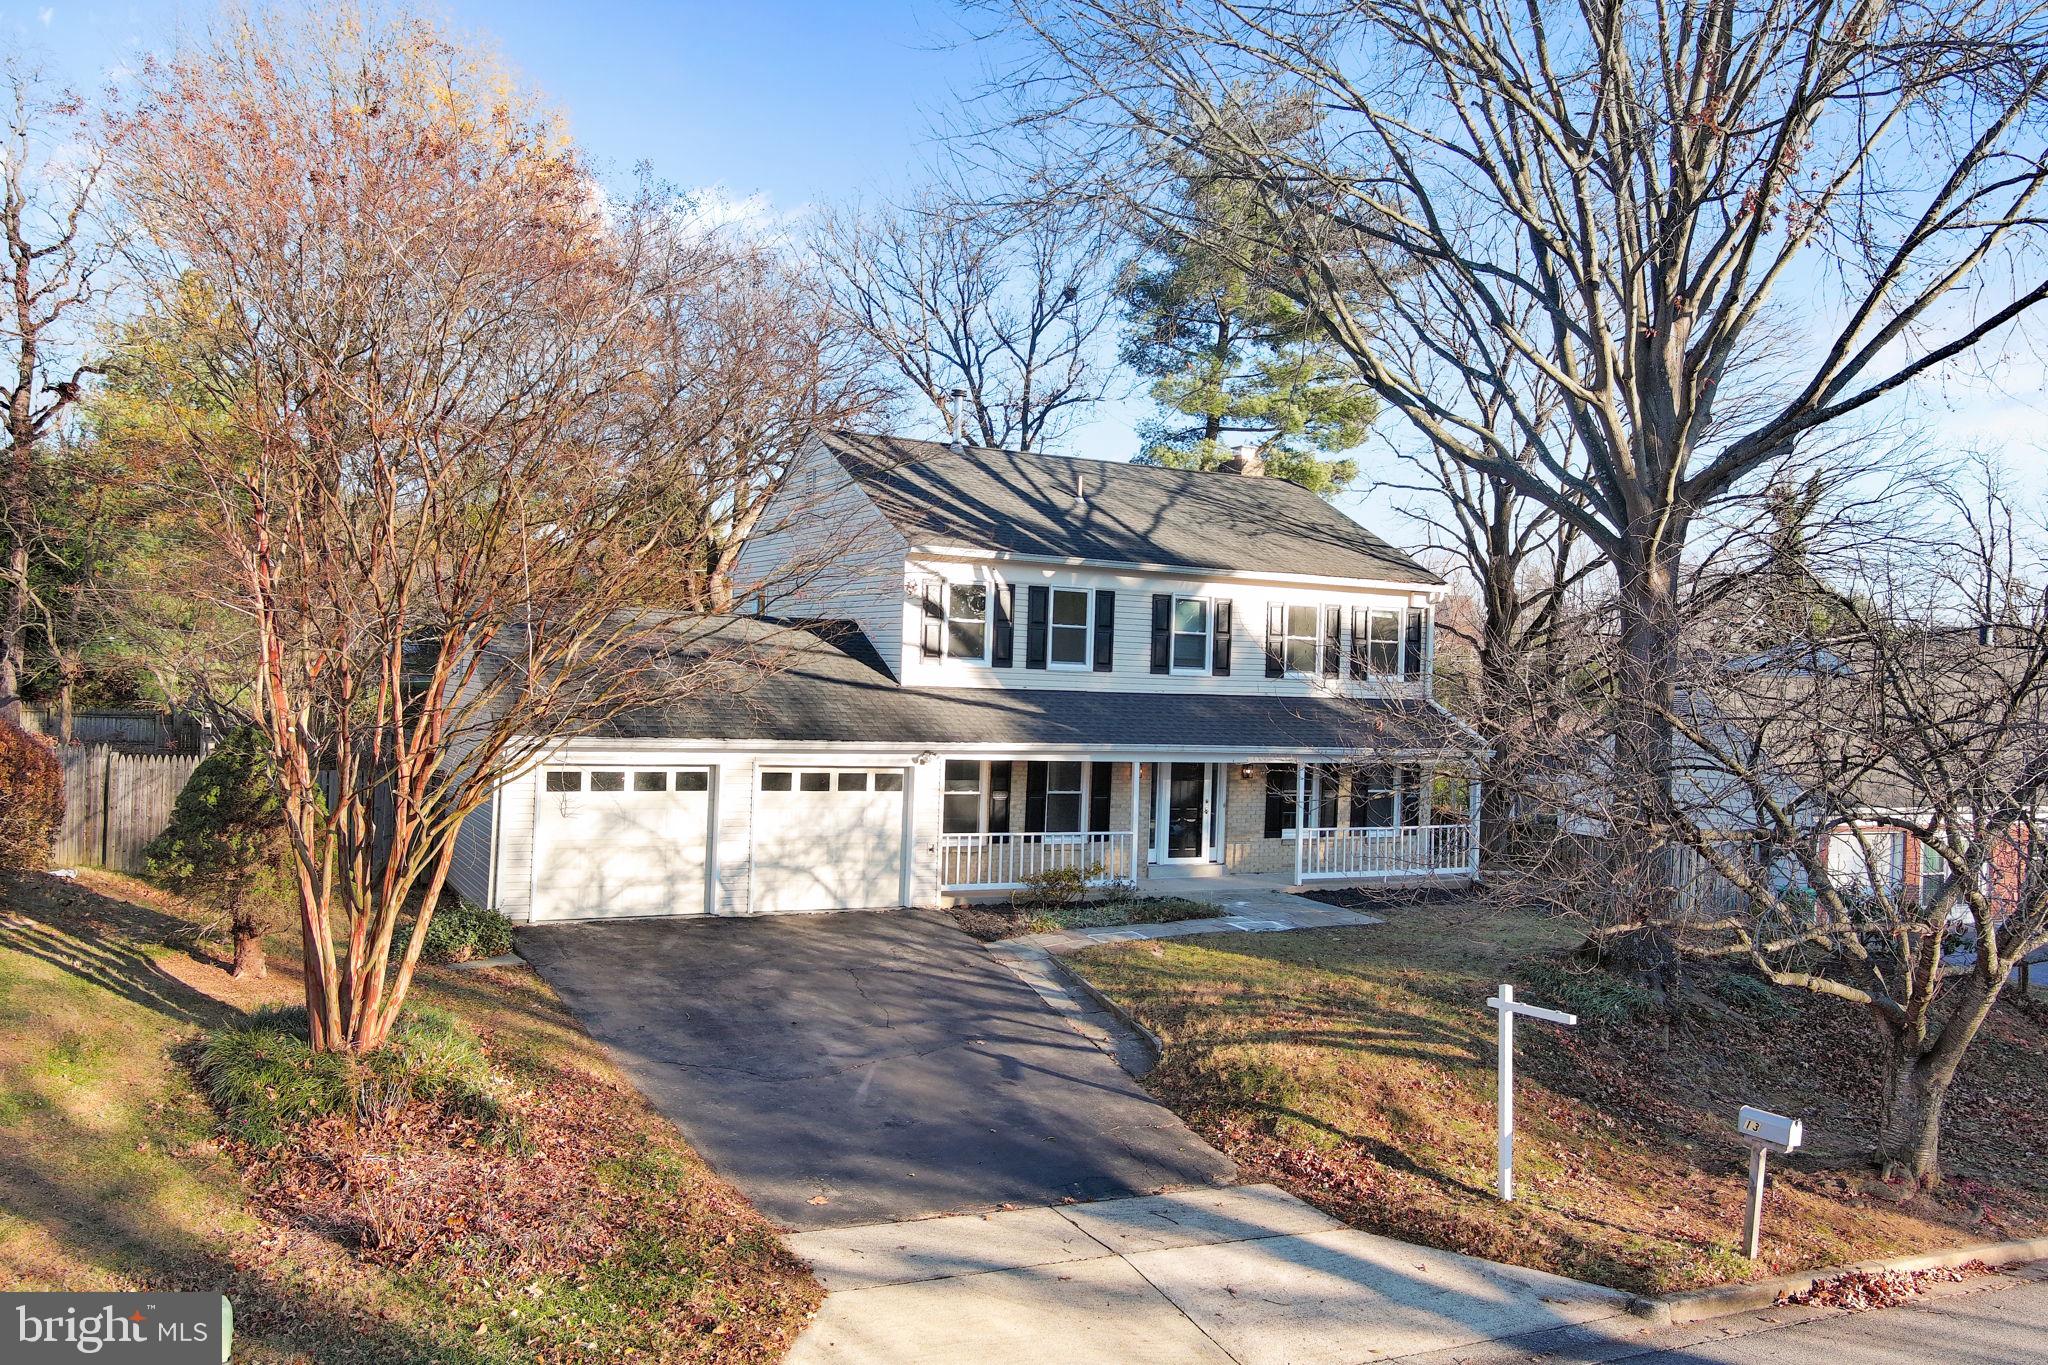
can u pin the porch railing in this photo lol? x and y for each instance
(1426, 851)
(1001, 862)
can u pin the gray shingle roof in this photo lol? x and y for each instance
(1004, 501)
(821, 682)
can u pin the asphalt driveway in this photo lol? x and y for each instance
(864, 1067)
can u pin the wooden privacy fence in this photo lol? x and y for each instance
(130, 729)
(115, 803)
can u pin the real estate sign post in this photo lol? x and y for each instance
(1508, 1007)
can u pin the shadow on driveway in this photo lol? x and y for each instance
(864, 1067)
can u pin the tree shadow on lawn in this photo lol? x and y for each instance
(96, 938)
(275, 1306)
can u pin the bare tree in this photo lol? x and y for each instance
(1715, 230)
(747, 363)
(425, 355)
(1868, 796)
(55, 265)
(1005, 304)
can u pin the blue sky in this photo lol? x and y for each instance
(804, 102)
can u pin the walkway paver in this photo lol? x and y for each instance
(1250, 1275)
(1246, 906)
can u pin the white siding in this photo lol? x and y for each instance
(1134, 591)
(515, 846)
(823, 550)
(470, 872)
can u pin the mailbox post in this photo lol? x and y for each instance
(1764, 1132)
(1508, 1007)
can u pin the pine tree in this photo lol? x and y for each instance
(1234, 362)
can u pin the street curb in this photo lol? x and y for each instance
(1696, 1305)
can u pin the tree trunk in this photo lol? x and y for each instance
(249, 960)
(1642, 789)
(1909, 1127)
(14, 630)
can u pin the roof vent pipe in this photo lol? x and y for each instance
(1080, 497)
(954, 412)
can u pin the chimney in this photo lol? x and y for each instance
(953, 414)
(1246, 460)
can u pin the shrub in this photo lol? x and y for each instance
(1750, 994)
(264, 1077)
(1056, 888)
(1599, 996)
(225, 847)
(460, 932)
(31, 799)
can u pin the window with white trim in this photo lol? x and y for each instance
(962, 799)
(1066, 790)
(1383, 644)
(1375, 792)
(1190, 635)
(1302, 637)
(967, 622)
(1320, 784)
(1071, 628)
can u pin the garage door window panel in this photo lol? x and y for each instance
(814, 782)
(693, 780)
(650, 782)
(777, 782)
(563, 780)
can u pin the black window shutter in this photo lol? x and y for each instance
(1162, 632)
(1219, 644)
(999, 796)
(1034, 792)
(1276, 626)
(934, 621)
(1361, 636)
(1361, 799)
(1411, 660)
(1279, 796)
(1002, 652)
(1098, 798)
(1413, 798)
(1038, 600)
(1105, 630)
(1333, 641)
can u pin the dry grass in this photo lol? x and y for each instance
(997, 921)
(112, 1176)
(1355, 1067)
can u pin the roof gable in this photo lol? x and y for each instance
(1008, 502)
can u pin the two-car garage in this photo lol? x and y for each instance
(631, 841)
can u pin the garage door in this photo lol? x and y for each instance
(616, 842)
(828, 838)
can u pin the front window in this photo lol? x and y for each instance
(1304, 633)
(1064, 807)
(1383, 650)
(1071, 627)
(962, 797)
(1190, 635)
(967, 621)
(1372, 798)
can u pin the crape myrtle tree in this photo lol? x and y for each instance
(431, 360)
(1715, 229)
(1866, 795)
(1006, 304)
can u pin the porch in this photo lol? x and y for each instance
(1119, 820)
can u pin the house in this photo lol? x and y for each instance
(1018, 663)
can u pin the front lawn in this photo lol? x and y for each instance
(596, 1235)
(1356, 1068)
(998, 921)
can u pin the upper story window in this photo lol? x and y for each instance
(1191, 640)
(967, 622)
(1383, 644)
(1301, 634)
(1071, 628)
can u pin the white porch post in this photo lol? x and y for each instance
(1138, 857)
(1300, 815)
(1472, 825)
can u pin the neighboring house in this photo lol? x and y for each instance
(1029, 663)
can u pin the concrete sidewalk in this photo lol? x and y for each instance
(1249, 1275)
(1244, 906)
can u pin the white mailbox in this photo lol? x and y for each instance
(1775, 1131)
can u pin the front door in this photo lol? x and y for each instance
(1187, 810)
